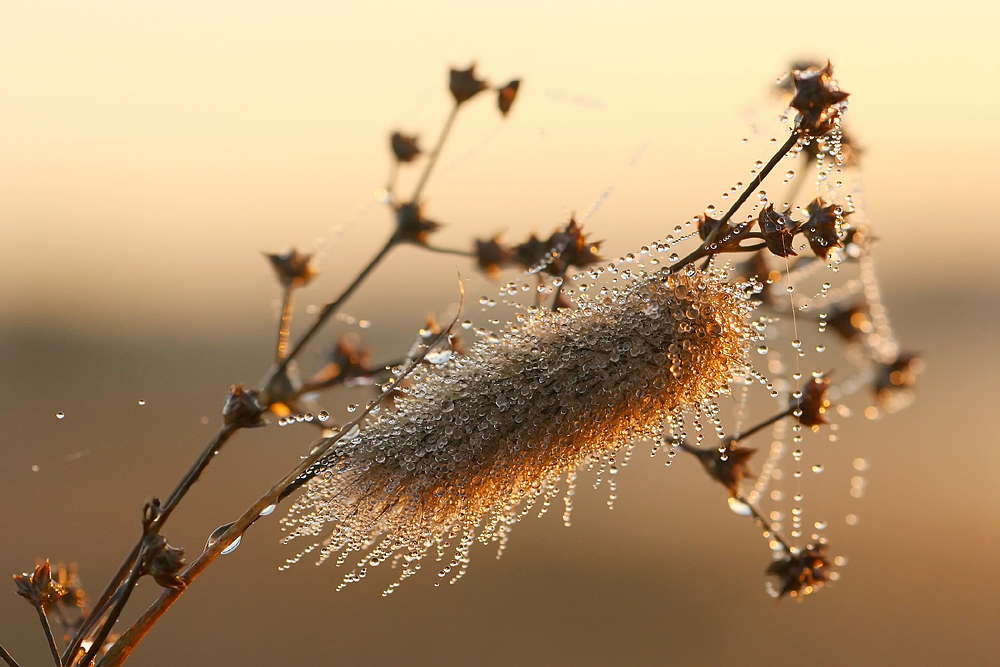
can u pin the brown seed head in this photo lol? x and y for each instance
(411, 225)
(492, 256)
(242, 409)
(293, 269)
(163, 562)
(802, 573)
(463, 84)
(404, 147)
(778, 230)
(823, 227)
(850, 321)
(729, 471)
(568, 247)
(39, 587)
(506, 95)
(816, 99)
(814, 403)
(899, 375)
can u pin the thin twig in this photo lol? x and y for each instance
(116, 611)
(429, 166)
(366, 378)
(8, 658)
(48, 634)
(284, 322)
(122, 648)
(767, 422)
(448, 251)
(329, 309)
(764, 522)
(192, 475)
(723, 223)
(391, 181)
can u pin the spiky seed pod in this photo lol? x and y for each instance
(485, 432)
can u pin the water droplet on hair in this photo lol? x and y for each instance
(324, 415)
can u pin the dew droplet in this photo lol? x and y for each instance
(324, 415)
(232, 546)
(818, 468)
(268, 510)
(438, 357)
(60, 415)
(142, 401)
(217, 533)
(740, 507)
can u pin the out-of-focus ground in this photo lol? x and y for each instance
(147, 157)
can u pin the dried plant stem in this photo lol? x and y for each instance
(432, 160)
(705, 248)
(129, 564)
(767, 422)
(8, 658)
(764, 523)
(366, 378)
(102, 604)
(126, 591)
(390, 183)
(285, 322)
(448, 251)
(44, 620)
(122, 648)
(330, 308)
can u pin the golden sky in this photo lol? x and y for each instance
(150, 151)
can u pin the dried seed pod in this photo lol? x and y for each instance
(480, 435)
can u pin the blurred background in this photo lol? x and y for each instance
(150, 152)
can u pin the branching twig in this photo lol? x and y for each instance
(126, 591)
(122, 648)
(329, 309)
(432, 160)
(192, 475)
(723, 225)
(284, 322)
